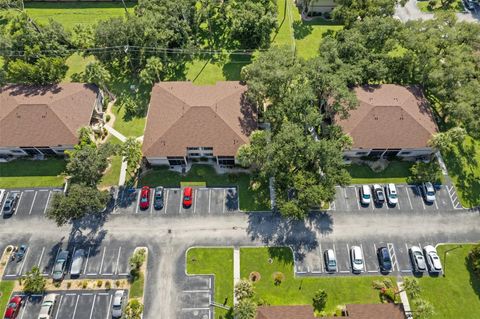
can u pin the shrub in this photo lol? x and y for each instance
(134, 309)
(137, 259)
(9, 249)
(244, 289)
(278, 278)
(57, 284)
(474, 259)
(84, 284)
(108, 285)
(117, 283)
(34, 283)
(69, 284)
(320, 300)
(246, 309)
(108, 117)
(99, 283)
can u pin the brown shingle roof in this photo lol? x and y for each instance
(183, 115)
(376, 311)
(285, 312)
(390, 116)
(44, 115)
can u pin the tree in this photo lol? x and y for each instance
(320, 300)
(244, 290)
(132, 151)
(134, 309)
(96, 73)
(137, 259)
(152, 71)
(78, 202)
(86, 163)
(34, 282)
(45, 70)
(445, 141)
(246, 309)
(411, 286)
(349, 11)
(425, 172)
(474, 259)
(423, 309)
(83, 36)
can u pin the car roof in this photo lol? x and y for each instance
(50, 297)
(63, 254)
(330, 254)
(78, 253)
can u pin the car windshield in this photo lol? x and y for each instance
(392, 195)
(430, 193)
(419, 255)
(332, 263)
(117, 306)
(357, 261)
(144, 200)
(366, 196)
(12, 305)
(159, 196)
(187, 197)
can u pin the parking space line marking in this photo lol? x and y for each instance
(196, 291)
(41, 256)
(46, 205)
(209, 199)
(421, 198)
(24, 308)
(195, 202)
(436, 205)
(393, 256)
(358, 200)
(56, 256)
(166, 201)
(349, 259)
(152, 191)
(103, 257)
(93, 306)
(59, 306)
(181, 203)
(193, 309)
(86, 262)
(408, 195)
(346, 197)
(33, 202)
(18, 204)
(6, 196)
(224, 195)
(23, 262)
(109, 308)
(118, 259)
(138, 202)
(75, 309)
(321, 254)
(398, 203)
(364, 264)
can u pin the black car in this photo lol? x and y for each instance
(158, 198)
(378, 194)
(10, 204)
(384, 259)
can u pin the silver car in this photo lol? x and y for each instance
(60, 265)
(428, 192)
(48, 304)
(330, 260)
(117, 305)
(418, 260)
(77, 262)
(357, 259)
(433, 261)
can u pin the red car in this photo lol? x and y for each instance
(187, 197)
(13, 307)
(145, 197)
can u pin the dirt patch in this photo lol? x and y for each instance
(254, 276)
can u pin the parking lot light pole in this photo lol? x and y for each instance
(445, 254)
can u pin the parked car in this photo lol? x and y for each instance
(330, 260)
(418, 260)
(77, 262)
(13, 307)
(48, 304)
(378, 194)
(158, 197)
(22, 250)
(469, 5)
(60, 265)
(11, 203)
(365, 195)
(2, 194)
(117, 304)
(392, 195)
(428, 192)
(384, 259)
(187, 197)
(145, 197)
(357, 259)
(433, 261)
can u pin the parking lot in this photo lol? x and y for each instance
(32, 202)
(205, 201)
(313, 263)
(72, 305)
(108, 261)
(195, 298)
(410, 200)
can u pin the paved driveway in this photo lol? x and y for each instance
(411, 12)
(32, 202)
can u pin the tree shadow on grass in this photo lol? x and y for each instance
(474, 278)
(232, 69)
(301, 30)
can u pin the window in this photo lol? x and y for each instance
(17, 151)
(405, 153)
(361, 153)
(207, 148)
(193, 148)
(194, 154)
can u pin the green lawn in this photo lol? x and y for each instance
(458, 294)
(456, 6)
(218, 262)
(136, 288)
(76, 64)
(209, 71)
(113, 173)
(6, 288)
(26, 173)
(71, 13)
(250, 200)
(283, 36)
(396, 172)
(299, 291)
(463, 166)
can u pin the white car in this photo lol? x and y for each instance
(428, 192)
(117, 305)
(46, 310)
(357, 259)
(433, 261)
(392, 195)
(365, 195)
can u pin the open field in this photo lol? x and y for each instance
(26, 173)
(459, 287)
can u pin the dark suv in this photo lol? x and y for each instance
(378, 194)
(10, 204)
(158, 198)
(384, 259)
